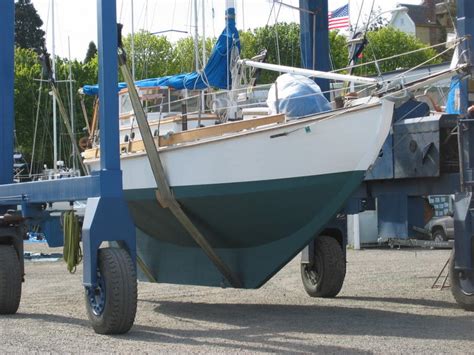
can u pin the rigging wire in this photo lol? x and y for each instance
(270, 14)
(33, 149)
(358, 18)
(396, 55)
(121, 10)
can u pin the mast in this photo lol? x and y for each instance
(55, 123)
(133, 41)
(204, 59)
(71, 107)
(196, 36)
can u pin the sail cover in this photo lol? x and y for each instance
(296, 96)
(216, 73)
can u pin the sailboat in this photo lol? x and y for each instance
(259, 186)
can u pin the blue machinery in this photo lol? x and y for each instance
(103, 189)
(428, 155)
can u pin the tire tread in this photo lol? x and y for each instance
(10, 280)
(120, 280)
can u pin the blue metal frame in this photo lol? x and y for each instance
(107, 217)
(314, 37)
(463, 205)
(7, 35)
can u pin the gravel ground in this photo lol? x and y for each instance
(386, 306)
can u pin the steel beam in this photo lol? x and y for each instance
(7, 37)
(314, 37)
(70, 189)
(107, 217)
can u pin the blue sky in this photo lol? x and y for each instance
(76, 19)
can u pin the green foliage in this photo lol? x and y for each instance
(389, 41)
(153, 55)
(27, 72)
(28, 32)
(286, 35)
(184, 57)
(339, 50)
(27, 69)
(289, 44)
(91, 52)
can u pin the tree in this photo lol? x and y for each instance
(339, 50)
(91, 52)
(28, 32)
(289, 47)
(387, 42)
(153, 55)
(27, 69)
(184, 55)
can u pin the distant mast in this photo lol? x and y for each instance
(229, 16)
(133, 39)
(196, 36)
(55, 123)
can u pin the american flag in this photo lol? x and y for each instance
(339, 18)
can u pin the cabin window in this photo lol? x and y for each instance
(152, 99)
(125, 104)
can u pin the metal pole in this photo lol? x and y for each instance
(204, 57)
(196, 36)
(108, 79)
(133, 41)
(308, 72)
(7, 28)
(55, 119)
(71, 107)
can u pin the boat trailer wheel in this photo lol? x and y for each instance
(325, 276)
(10, 280)
(462, 285)
(112, 303)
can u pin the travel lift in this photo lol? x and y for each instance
(106, 217)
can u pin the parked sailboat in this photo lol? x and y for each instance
(259, 186)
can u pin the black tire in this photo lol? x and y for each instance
(439, 236)
(461, 288)
(118, 280)
(10, 280)
(325, 277)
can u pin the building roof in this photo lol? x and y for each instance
(420, 14)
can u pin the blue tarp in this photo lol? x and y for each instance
(216, 73)
(456, 103)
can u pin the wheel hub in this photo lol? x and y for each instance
(96, 297)
(312, 273)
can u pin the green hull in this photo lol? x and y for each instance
(255, 227)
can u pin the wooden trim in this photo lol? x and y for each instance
(217, 130)
(193, 134)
